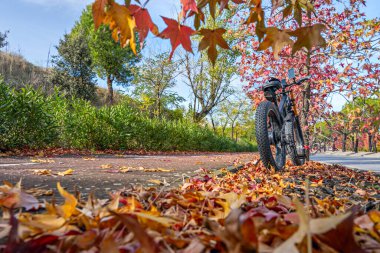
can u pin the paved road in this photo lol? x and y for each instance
(101, 173)
(359, 162)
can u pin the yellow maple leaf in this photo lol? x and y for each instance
(66, 172)
(68, 208)
(122, 24)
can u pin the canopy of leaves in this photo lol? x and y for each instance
(72, 69)
(122, 23)
(109, 59)
(3, 39)
(153, 82)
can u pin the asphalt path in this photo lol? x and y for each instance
(370, 163)
(101, 174)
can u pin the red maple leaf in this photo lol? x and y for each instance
(178, 35)
(188, 5)
(143, 21)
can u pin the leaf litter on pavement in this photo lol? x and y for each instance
(309, 208)
(47, 172)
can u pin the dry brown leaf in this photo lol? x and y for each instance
(42, 172)
(157, 170)
(66, 172)
(308, 37)
(36, 160)
(89, 158)
(211, 38)
(314, 226)
(275, 38)
(37, 192)
(155, 181)
(106, 166)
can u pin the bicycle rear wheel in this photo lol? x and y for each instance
(268, 136)
(295, 141)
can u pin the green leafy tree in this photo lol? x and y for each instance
(111, 62)
(211, 82)
(72, 69)
(3, 39)
(153, 82)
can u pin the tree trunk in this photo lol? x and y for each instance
(344, 141)
(232, 131)
(356, 148)
(306, 108)
(374, 145)
(352, 143)
(159, 106)
(110, 90)
(213, 124)
(194, 108)
(369, 142)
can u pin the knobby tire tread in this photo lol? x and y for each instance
(262, 134)
(289, 133)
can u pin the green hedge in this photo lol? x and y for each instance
(30, 119)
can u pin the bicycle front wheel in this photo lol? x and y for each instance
(268, 136)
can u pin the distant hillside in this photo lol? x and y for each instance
(18, 72)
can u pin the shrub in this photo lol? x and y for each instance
(26, 118)
(31, 120)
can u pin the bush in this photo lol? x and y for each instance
(26, 119)
(31, 120)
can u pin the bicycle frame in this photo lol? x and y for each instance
(287, 104)
(287, 107)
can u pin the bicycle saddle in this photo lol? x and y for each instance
(272, 83)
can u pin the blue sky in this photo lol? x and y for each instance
(37, 25)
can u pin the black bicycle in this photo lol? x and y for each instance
(278, 129)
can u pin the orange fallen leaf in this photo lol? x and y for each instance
(66, 172)
(42, 172)
(89, 158)
(106, 166)
(42, 161)
(68, 208)
(155, 181)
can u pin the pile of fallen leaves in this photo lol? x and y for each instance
(311, 208)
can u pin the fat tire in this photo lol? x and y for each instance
(262, 135)
(290, 141)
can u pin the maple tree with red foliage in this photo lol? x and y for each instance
(350, 39)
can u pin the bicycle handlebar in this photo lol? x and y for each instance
(303, 80)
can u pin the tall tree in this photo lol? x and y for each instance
(72, 67)
(348, 35)
(153, 81)
(210, 85)
(110, 61)
(210, 79)
(3, 39)
(234, 109)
